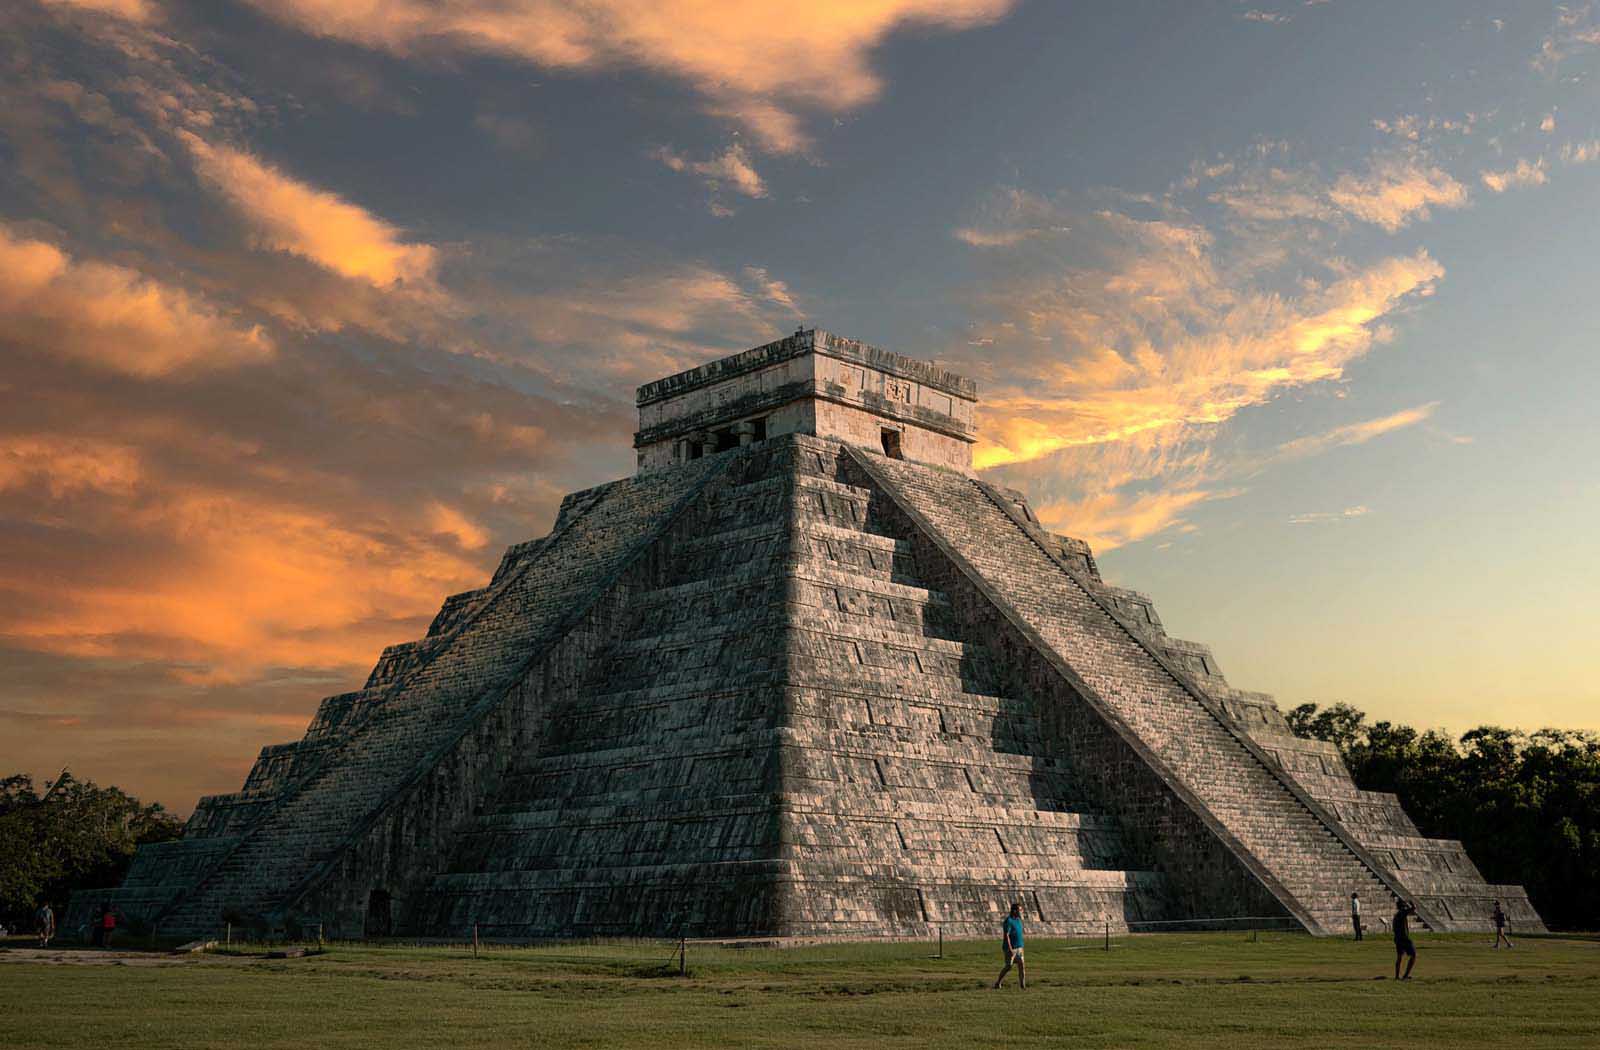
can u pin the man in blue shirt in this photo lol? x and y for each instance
(1011, 932)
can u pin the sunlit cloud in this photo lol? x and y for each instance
(290, 216)
(114, 317)
(1581, 152)
(1330, 517)
(1391, 192)
(1575, 31)
(758, 63)
(629, 318)
(1353, 433)
(233, 584)
(66, 466)
(1109, 367)
(1522, 174)
(1109, 520)
(132, 10)
(731, 170)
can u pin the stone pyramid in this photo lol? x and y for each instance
(803, 675)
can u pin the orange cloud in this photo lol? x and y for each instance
(650, 320)
(1108, 362)
(132, 10)
(731, 169)
(289, 216)
(755, 62)
(1224, 359)
(1354, 433)
(67, 466)
(448, 521)
(239, 583)
(112, 316)
(1109, 520)
(1523, 174)
(1391, 193)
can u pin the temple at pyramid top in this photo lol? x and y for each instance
(816, 383)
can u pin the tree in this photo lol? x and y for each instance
(76, 835)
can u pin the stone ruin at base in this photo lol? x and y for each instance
(803, 675)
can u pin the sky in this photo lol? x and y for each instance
(309, 308)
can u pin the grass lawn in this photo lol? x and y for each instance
(1174, 990)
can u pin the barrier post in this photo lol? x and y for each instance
(683, 956)
(474, 940)
(941, 942)
(230, 935)
(1108, 935)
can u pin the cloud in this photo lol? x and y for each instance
(1574, 32)
(731, 170)
(114, 317)
(1268, 17)
(449, 521)
(1328, 517)
(612, 314)
(1109, 520)
(132, 10)
(991, 238)
(1581, 152)
(758, 63)
(289, 216)
(1393, 193)
(1353, 433)
(1548, 124)
(1109, 363)
(1524, 174)
(69, 465)
(234, 584)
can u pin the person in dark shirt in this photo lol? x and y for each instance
(1011, 945)
(1499, 917)
(1355, 914)
(1401, 925)
(44, 921)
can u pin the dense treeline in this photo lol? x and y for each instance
(75, 835)
(1526, 805)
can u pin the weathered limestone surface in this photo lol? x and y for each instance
(781, 684)
(791, 735)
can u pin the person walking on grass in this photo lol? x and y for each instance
(44, 921)
(1355, 914)
(1500, 923)
(108, 924)
(1403, 948)
(1011, 945)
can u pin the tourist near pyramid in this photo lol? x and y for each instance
(804, 675)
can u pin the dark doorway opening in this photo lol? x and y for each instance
(760, 429)
(380, 920)
(891, 443)
(726, 439)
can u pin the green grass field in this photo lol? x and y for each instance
(1173, 990)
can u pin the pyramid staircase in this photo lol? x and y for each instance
(1135, 679)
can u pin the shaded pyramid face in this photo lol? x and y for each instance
(778, 685)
